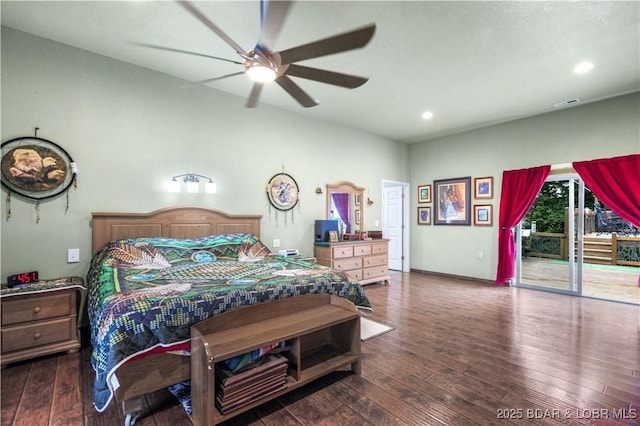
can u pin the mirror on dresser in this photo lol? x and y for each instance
(365, 261)
(345, 202)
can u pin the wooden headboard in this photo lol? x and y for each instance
(170, 222)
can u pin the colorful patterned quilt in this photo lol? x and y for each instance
(146, 293)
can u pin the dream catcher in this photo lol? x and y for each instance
(36, 169)
(283, 193)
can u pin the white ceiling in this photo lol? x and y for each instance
(472, 64)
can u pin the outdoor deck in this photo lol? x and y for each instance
(611, 282)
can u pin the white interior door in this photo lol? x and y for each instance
(393, 224)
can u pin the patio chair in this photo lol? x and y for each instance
(608, 224)
(621, 225)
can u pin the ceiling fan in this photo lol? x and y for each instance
(262, 64)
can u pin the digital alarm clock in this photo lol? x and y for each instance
(22, 279)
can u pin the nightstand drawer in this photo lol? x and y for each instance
(38, 334)
(35, 307)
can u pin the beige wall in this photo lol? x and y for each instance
(130, 130)
(602, 129)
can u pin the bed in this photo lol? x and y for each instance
(153, 275)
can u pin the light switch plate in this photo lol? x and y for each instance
(73, 255)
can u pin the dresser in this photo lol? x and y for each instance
(366, 261)
(41, 319)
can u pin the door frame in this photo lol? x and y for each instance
(405, 218)
(575, 262)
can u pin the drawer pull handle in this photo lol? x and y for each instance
(36, 336)
(36, 309)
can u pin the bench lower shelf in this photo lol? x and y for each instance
(321, 330)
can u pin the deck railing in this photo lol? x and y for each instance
(624, 250)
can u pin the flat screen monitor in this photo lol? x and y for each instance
(323, 227)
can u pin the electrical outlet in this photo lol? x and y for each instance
(480, 255)
(276, 242)
(73, 255)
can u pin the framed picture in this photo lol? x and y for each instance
(357, 199)
(483, 215)
(357, 216)
(333, 236)
(424, 193)
(452, 201)
(424, 215)
(483, 188)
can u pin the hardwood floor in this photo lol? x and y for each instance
(462, 353)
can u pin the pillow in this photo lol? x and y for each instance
(252, 252)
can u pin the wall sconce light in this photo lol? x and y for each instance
(192, 183)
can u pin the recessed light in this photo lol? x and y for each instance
(427, 115)
(583, 67)
(567, 103)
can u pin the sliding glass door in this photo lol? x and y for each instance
(550, 238)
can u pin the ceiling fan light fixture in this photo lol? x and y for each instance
(261, 73)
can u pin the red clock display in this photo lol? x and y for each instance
(22, 278)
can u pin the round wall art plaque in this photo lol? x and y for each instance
(36, 168)
(283, 191)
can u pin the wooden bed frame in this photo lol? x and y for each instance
(140, 376)
(170, 222)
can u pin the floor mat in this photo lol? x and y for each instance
(370, 329)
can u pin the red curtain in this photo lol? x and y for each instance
(615, 181)
(519, 191)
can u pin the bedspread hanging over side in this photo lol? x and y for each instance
(148, 292)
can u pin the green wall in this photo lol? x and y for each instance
(130, 130)
(598, 130)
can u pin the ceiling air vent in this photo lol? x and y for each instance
(567, 103)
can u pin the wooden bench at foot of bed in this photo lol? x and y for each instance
(321, 333)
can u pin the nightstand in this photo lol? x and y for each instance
(41, 318)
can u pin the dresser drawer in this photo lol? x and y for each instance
(355, 274)
(375, 272)
(362, 250)
(379, 248)
(342, 251)
(38, 334)
(35, 307)
(378, 260)
(347, 264)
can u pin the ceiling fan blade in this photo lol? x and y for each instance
(254, 95)
(328, 46)
(272, 16)
(213, 27)
(171, 49)
(296, 92)
(324, 76)
(209, 80)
